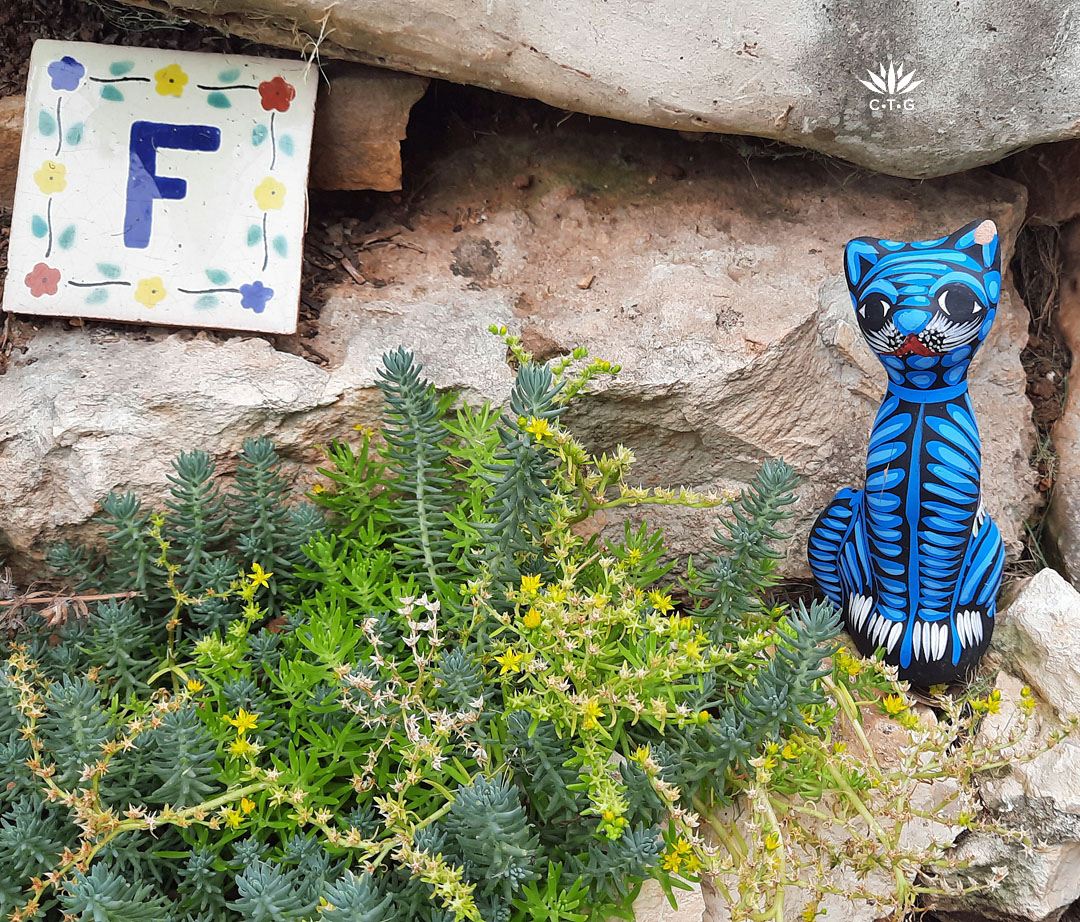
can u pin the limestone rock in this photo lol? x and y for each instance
(994, 78)
(718, 286)
(1039, 636)
(359, 123)
(721, 294)
(1063, 517)
(652, 904)
(11, 122)
(90, 410)
(1039, 796)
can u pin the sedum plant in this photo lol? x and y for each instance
(434, 698)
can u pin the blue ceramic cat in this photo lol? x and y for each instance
(912, 560)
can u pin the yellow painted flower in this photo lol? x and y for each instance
(195, 686)
(247, 805)
(233, 818)
(171, 80)
(672, 862)
(150, 292)
(270, 194)
(510, 661)
(52, 177)
(259, 577)
(530, 585)
(243, 721)
(532, 618)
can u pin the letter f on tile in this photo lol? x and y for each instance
(144, 185)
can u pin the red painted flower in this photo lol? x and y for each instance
(42, 280)
(277, 94)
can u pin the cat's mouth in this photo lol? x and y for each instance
(912, 346)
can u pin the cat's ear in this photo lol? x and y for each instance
(860, 256)
(980, 239)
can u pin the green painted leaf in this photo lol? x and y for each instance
(229, 76)
(259, 134)
(119, 68)
(281, 245)
(207, 301)
(66, 240)
(109, 270)
(112, 94)
(254, 235)
(38, 226)
(97, 296)
(46, 123)
(73, 135)
(219, 101)
(285, 145)
(217, 276)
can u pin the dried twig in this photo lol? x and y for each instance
(54, 607)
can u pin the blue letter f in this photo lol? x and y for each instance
(144, 185)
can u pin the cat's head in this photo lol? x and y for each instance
(926, 303)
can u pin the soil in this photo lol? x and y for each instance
(345, 226)
(1036, 269)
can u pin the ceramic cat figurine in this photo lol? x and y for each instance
(912, 559)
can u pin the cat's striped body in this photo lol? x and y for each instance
(912, 560)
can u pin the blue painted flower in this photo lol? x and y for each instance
(67, 73)
(255, 296)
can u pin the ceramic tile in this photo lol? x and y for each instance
(161, 187)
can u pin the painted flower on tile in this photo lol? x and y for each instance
(42, 280)
(277, 94)
(52, 177)
(66, 74)
(270, 194)
(150, 292)
(255, 296)
(171, 80)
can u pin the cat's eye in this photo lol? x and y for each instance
(953, 299)
(881, 303)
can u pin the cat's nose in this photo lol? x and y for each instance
(911, 321)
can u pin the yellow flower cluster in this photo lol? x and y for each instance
(680, 858)
(243, 721)
(991, 704)
(510, 661)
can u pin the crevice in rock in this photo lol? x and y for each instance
(1036, 270)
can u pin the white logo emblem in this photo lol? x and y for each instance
(888, 86)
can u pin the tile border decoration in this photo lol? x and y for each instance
(270, 118)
